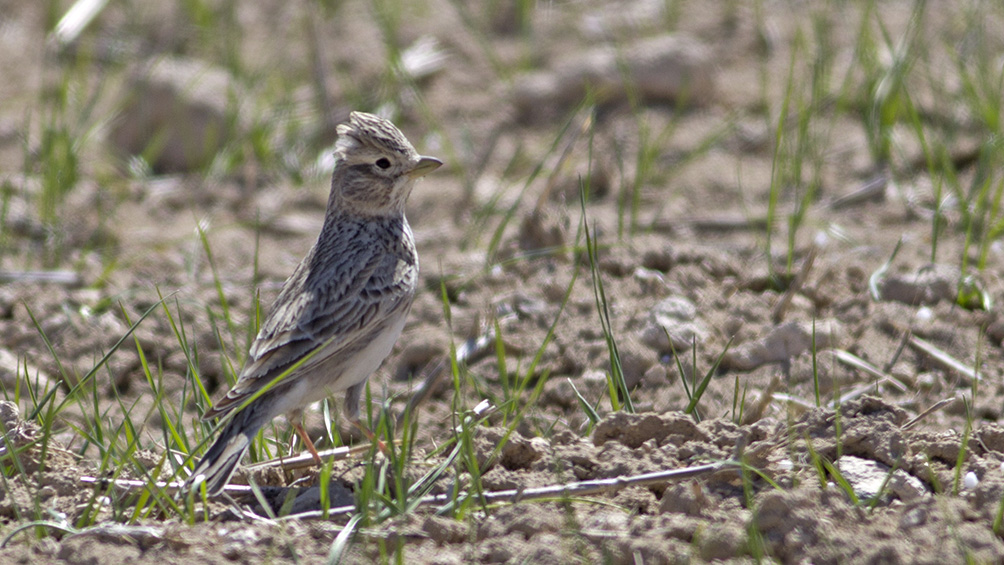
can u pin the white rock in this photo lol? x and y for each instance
(970, 481)
(867, 478)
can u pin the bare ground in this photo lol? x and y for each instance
(682, 258)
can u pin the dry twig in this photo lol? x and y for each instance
(937, 406)
(944, 360)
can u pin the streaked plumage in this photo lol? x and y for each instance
(344, 305)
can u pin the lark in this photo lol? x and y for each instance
(341, 311)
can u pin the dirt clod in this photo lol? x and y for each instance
(633, 430)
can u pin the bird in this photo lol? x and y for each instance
(341, 311)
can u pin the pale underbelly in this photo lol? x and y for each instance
(340, 371)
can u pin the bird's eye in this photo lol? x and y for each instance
(383, 163)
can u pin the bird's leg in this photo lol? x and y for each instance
(298, 427)
(369, 435)
(352, 397)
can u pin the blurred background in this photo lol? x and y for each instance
(747, 210)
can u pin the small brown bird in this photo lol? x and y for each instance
(342, 309)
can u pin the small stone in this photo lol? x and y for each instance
(177, 114)
(46, 492)
(868, 477)
(9, 414)
(516, 453)
(668, 69)
(687, 498)
(782, 344)
(912, 518)
(929, 285)
(672, 325)
(970, 481)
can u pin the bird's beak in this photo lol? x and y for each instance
(425, 166)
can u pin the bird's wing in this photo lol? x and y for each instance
(325, 306)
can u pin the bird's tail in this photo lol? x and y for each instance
(219, 463)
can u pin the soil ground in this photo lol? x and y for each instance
(678, 192)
